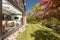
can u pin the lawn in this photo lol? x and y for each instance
(38, 32)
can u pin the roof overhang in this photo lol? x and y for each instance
(15, 4)
(9, 7)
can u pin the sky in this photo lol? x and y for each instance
(30, 4)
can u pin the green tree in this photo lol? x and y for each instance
(29, 14)
(37, 8)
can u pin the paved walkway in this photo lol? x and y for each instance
(15, 34)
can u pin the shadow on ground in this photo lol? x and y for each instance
(44, 35)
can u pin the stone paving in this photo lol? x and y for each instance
(14, 35)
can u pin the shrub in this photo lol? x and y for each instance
(44, 22)
(31, 19)
(52, 23)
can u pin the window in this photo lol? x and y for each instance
(15, 17)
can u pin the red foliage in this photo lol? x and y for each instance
(49, 15)
(48, 3)
(43, 2)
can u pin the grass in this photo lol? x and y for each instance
(38, 32)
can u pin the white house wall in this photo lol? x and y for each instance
(6, 12)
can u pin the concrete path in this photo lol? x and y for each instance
(15, 34)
